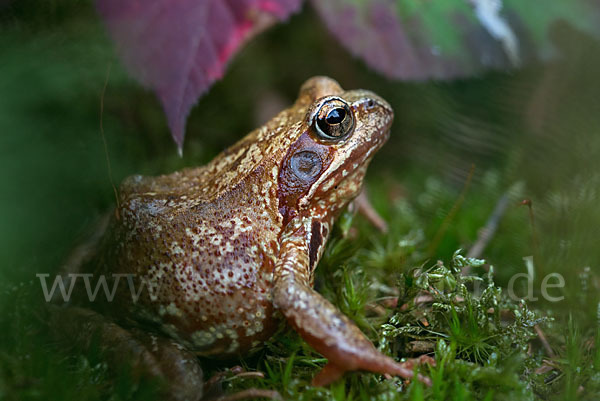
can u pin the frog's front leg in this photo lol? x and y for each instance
(322, 325)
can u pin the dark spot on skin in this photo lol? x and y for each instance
(316, 240)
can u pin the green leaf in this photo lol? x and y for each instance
(417, 39)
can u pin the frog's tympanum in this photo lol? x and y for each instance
(228, 250)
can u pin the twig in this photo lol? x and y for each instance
(250, 375)
(364, 207)
(487, 232)
(108, 166)
(250, 393)
(534, 237)
(544, 341)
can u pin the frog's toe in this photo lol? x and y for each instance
(421, 360)
(379, 363)
(327, 375)
(405, 370)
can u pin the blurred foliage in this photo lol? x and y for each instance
(531, 134)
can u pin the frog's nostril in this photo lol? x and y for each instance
(372, 101)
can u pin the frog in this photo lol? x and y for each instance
(225, 253)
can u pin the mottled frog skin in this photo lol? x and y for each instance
(228, 250)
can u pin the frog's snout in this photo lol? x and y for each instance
(372, 106)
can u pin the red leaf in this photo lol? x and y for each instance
(178, 48)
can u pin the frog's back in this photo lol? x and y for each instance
(205, 257)
(259, 149)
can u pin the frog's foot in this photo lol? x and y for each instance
(332, 372)
(371, 360)
(332, 334)
(145, 354)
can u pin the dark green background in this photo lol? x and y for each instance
(533, 132)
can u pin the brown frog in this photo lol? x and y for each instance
(222, 253)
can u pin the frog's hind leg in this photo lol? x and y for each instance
(145, 354)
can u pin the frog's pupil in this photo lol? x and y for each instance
(335, 116)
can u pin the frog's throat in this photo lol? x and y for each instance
(310, 234)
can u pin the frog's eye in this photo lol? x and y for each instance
(334, 120)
